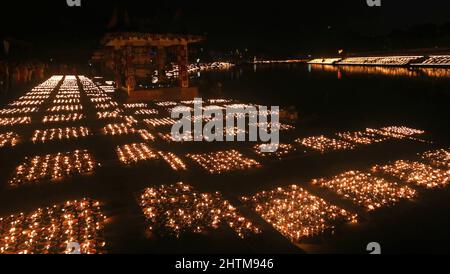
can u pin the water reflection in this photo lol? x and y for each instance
(342, 71)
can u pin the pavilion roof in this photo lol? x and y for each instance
(121, 39)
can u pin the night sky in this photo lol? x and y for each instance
(274, 27)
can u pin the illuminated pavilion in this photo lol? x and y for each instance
(139, 61)
(131, 56)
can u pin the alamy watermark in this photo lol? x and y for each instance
(374, 248)
(228, 124)
(73, 248)
(73, 3)
(374, 3)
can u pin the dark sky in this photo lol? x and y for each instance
(279, 24)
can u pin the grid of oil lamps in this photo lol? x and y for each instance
(34, 97)
(45, 92)
(15, 121)
(362, 137)
(169, 138)
(65, 93)
(389, 134)
(118, 129)
(65, 108)
(130, 120)
(13, 111)
(366, 190)
(68, 133)
(27, 103)
(297, 214)
(191, 102)
(156, 122)
(280, 151)
(180, 108)
(53, 167)
(402, 130)
(220, 101)
(234, 131)
(416, 173)
(135, 105)
(325, 144)
(66, 101)
(30, 102)
(134, 153)
(108, 89)
(224, 161)
(371, 135)
(50, 84)
(177, 209)
(50, 230)
(68, 97)
(438, 158)
(106, 106)
(98, 100)
(10, 139)
(173, 160)
(167, 104)
(271, 126)
(146, 112)
(146, 136)
(108, 115)
(57, 118)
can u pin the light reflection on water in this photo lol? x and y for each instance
(342, 71)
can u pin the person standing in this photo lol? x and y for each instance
(2, 77)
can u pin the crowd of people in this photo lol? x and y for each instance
(20, 73)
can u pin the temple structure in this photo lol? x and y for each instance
(146, 65)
